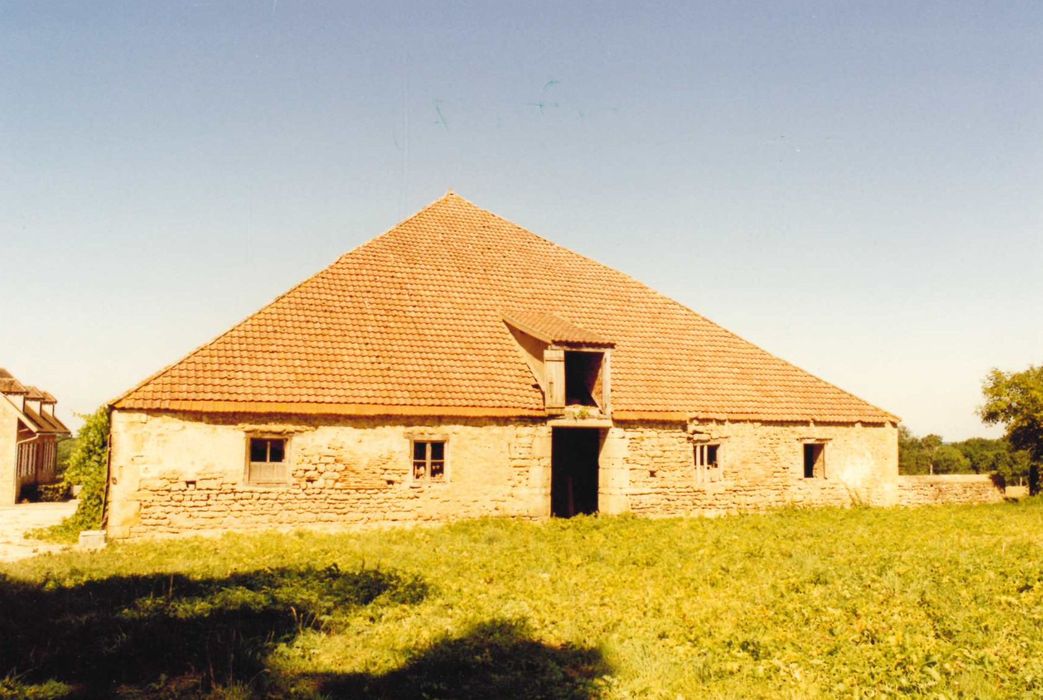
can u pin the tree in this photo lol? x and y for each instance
(912, 457)
(931, 443)
(948, 459)
(995, 456)
(1015, 399)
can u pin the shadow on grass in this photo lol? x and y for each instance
(170, 635)
(496, 659)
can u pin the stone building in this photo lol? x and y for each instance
(460, 366)
(29, 433)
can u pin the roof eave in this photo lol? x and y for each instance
(329, 409)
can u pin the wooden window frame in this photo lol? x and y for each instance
(706, 471)
(250, 464)
(425, 474)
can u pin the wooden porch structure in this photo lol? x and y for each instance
(29, 434)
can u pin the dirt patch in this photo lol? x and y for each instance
(15, 521)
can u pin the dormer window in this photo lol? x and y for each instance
(570, 364)
(583, 382)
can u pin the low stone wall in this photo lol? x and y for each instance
(936, 489)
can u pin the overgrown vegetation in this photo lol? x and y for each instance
(939, 602)
(930, 455)
(87, 467)
(66, 447)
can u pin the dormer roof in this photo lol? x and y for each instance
(553, 330)
(34, 394)
(10, 385)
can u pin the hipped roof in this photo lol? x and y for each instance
(413, 322)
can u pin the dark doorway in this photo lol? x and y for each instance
(582, 378)
(574, 471)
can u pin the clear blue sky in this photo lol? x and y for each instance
(856, 187)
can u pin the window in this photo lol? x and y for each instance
(707, 468)
(267, 461)
(814, 460)
(428, 460)
(583, 382)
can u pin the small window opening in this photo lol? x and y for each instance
(428, 460)
(707, 466)
(814, 460)
(267, 461)
(583, 378)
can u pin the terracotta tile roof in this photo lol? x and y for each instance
(551, 329)
(412, 322)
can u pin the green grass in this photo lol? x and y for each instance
(940, 602)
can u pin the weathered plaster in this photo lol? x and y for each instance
(177, 472)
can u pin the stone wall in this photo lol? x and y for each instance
(174, 473)
(762, 466)
(923, 489)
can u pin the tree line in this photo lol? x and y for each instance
(1013, 400)
(931, 455)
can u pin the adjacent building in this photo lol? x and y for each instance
(29, 434)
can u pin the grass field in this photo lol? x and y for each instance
(942, 602)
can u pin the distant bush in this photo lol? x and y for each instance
(88, 468)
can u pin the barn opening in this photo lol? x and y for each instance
(583, 383)
(814, 461)
(574, 471)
